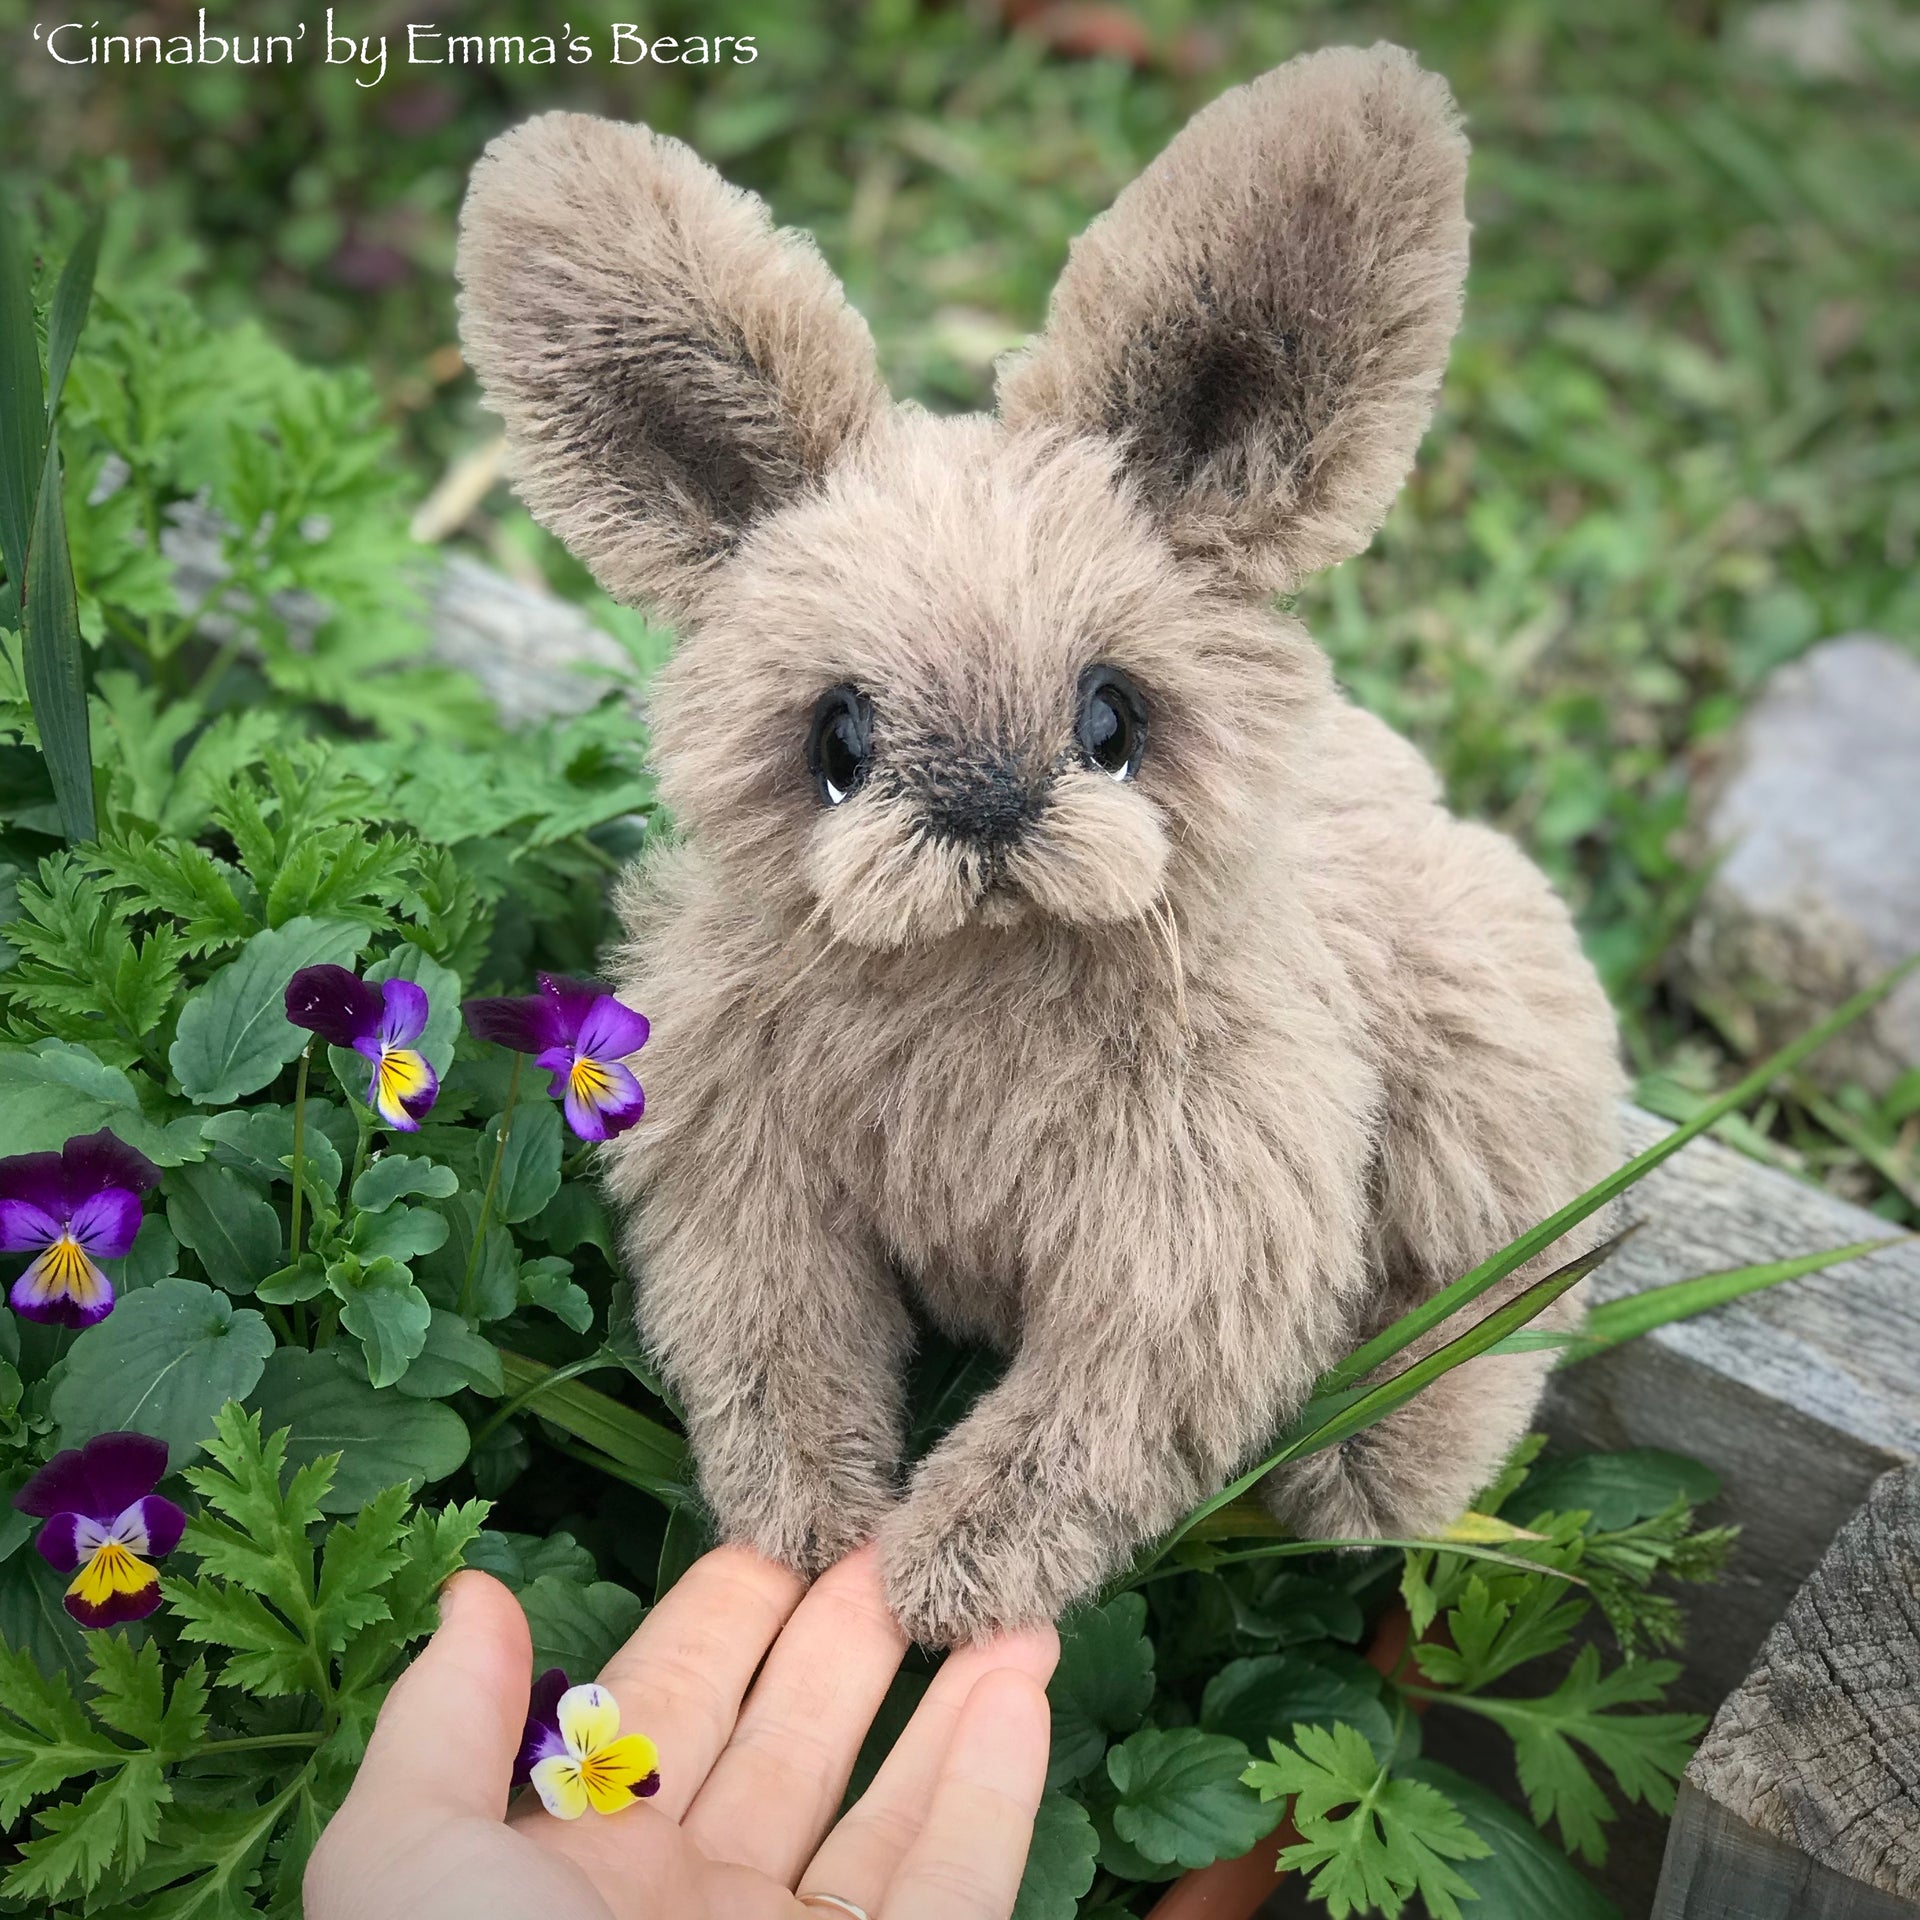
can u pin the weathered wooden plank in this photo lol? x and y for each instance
(1808, 1782)
(1799, 1396)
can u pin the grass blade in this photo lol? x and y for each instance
(1469, 1287)
(654, 1458)
(71, 299)
(1617, 1321)
(23, 415)
(56, 672)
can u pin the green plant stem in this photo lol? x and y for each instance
(364, 1121)
(299, 1150)
(253, 1743)
(278, 1321)
(493, 1181)
(593, 1363)
(1291, 1549)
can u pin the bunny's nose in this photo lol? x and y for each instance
(987, 799)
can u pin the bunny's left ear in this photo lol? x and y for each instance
(1262, 319)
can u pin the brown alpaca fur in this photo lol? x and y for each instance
(1173, 1089)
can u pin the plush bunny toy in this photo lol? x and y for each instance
(1048, 943)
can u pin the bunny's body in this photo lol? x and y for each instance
(1050, 942)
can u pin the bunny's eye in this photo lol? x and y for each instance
(1112, 727)
(840, 748)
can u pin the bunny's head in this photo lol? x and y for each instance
(991, 671)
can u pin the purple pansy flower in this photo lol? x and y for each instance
(69, 1210)
(580, 1034)
(105, 1524)
(381, 1022)
(576, 1757)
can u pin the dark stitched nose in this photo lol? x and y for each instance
(984, 798)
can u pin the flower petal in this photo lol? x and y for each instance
(402, 1089)
(540, 1738)
(105, 1222)
(59, 1542)
(571, 1001)
(40, 1178)
(404, 1012)
(334, 1003)
(62, 1288)
(602, 1100)
(624, 1762)
(160, 1525)
(95, 1161)
(557, 1781)
(26, 1226)
(113, 1585)
(101, 1480)
(588, 1718)
(612, 1031)
(526, 1023)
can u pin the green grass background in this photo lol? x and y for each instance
(1678, 444)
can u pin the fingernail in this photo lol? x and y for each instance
(449, 1596)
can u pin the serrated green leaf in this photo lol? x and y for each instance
(1100, 1689)
(360, 1558)
(1060, 1861)
(228, 1223)
(1181, 1799)
(164, 1362)
(234, 1035)
(400, 1176)
(45, 1738)
(108, 1828)
(1394, 1840)
(575, 1627)
(1260, 1699)
(382, 1438)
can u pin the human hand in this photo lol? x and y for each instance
(752, 1771)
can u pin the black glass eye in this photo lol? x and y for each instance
(840, 748)
(1113, 722)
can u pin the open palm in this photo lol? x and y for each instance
(754, 1761)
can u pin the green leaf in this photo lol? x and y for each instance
(1616, 1489)
(516, 1560)
(548, 1282)
(1257, 1700)
(227, 1221)
(1060, 1861)
(400, 1176)
(399, 1233)
(303, 1279)
(1181, 1798)
(384, 1311)
(68, 316)
(359, 1559)
(55, 669)
(1523, 1875)
(234, 1035)
(443, 1274)
(258, 1143)
(45, 1739)
(530, 1161)
(1499, 1624)
(154, 1255)
(442, 987)
(54, 1089)
(23, 412)
(1394, 1841)
(109, 1828)
(578, 1628)
(1100, 1690)
(162, 1363)
(574, 1218)
(383, 1438)
(653, 1458)
(1645, 1752)
(453, 1357)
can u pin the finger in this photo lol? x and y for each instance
(680, 1679)
(776, 1788)
(967, 1862)
(862, 1854)
(448, 1732)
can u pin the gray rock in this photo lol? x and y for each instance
(1817, 825)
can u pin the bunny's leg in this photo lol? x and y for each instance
(779, 1324)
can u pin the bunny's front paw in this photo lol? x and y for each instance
(805, 1513)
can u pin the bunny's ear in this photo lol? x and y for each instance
(1262, 319)
(669, 367)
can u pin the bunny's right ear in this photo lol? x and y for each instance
(1260, 322)
(669, 367)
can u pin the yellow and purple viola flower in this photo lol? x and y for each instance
(105, 1525)
(575, 1755)
(380, 1022)
(580, 1035)
(71, 1210)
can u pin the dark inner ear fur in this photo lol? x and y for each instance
(1262, 319)
(669, 366)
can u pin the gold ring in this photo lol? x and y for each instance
(833, 1901)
